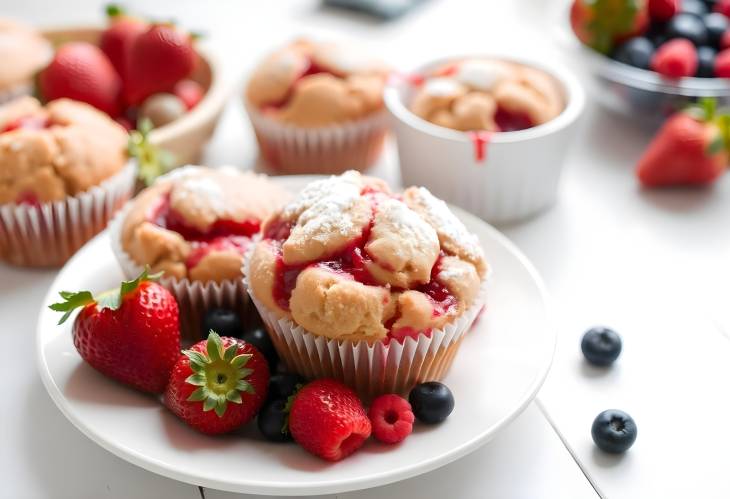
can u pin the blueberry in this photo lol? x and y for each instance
(635, 52)
(601, 346)
(614, 431)
(432, 402)
(259, 338)
(657, 33)
(223, 321)
(716, 25)
(706, 58)
(696, 7)
(687, 26)
(282, 386)
(272, 420)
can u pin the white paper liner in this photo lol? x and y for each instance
(14, 92)
(193, 297)
(371, 370)
(47, 235)
(332, 149)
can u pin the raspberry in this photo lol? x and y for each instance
(392, 418)
(663, 10)
(328, 420)
(722, 64)
(725, 40)
(723, 7)
(675, 59)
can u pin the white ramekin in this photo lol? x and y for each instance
(520, 173)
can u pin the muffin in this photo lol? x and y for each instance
(502, 127)
(23, 52)
(317, 108)
(64, 172)
(374, 288)
(194, 225)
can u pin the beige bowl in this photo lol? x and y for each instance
(185, 137)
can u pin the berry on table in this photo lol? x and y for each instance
(601, 346)
(717, 25)
(614, 431)
(273, 421)
(635, 52)
(675, 59)
(392, 418)
(706, 62)
(722, 64)
(328, 420)
(663, 10)
(432, 402)
(223, 321)
(259, 338)
(283, 386)
(688, 26)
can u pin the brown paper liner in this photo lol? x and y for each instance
(48, 234)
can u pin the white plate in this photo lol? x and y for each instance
(501, 366)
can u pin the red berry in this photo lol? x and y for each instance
(328, 420)
(117, 39)
(663, 10)
(675, 59)
(723, 7)
(722, 64)
(392, 418)
(725, 40)
(189, 91)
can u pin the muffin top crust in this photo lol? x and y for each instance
(311, 84)
(349, 259)
(197, 222)
(23, 51)
(486, 94)
(62, 149)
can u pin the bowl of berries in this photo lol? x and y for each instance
(140, 72)
(649, 58)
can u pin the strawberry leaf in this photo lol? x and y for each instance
(152, 161)
(114, 10)
(71, 301)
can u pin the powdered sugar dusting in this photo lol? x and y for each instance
(442, 87)
(481, 74)
(413, 229)
(200, 193)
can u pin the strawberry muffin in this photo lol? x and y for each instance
(318, 108)
(194, 224)
(486, 94)
(350, 270)
(64, 171)
(23, 52)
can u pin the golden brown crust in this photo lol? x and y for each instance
(80, 148)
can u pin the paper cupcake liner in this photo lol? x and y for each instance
(14, 92)
(193, 297)
(371, 370)
(332, 150)
(48, 234)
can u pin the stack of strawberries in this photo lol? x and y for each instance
(139, 69)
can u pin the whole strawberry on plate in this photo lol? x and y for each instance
(328, 420)
(691, 148)
(130, 334)
(600, 24)
(218, 385)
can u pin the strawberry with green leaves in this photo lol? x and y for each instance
(218, 385)
(691, 148)
(130, 334)
(600, 24)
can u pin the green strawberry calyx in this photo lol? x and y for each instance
(611, 18)
(287, 408)
(706, 111)
(114, 10)
(151, 160)
(219, 374)
(111, 299)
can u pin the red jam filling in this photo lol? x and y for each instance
(223, 235)
(29, 198)
(512, 122)
(312, 68)
(27, 123)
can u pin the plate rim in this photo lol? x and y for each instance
(295, 488)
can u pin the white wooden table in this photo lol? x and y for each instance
(655, 266)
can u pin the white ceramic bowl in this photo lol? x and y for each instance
(520, 174)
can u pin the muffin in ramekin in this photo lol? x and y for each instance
(318, 108)
(500, 129)
(64, 172)
(373, 288)
(23, 52)
(195, 224)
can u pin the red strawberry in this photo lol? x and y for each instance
(117, 39)
(218, 385)
(663, 10)
(722, 64)
(689, 149)
(130, 334)
(675, 59)
(392, 418)
(158, 58)
(328, 420)
(81, 71)
(600, 24)
(723, 7)
(189, 91)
